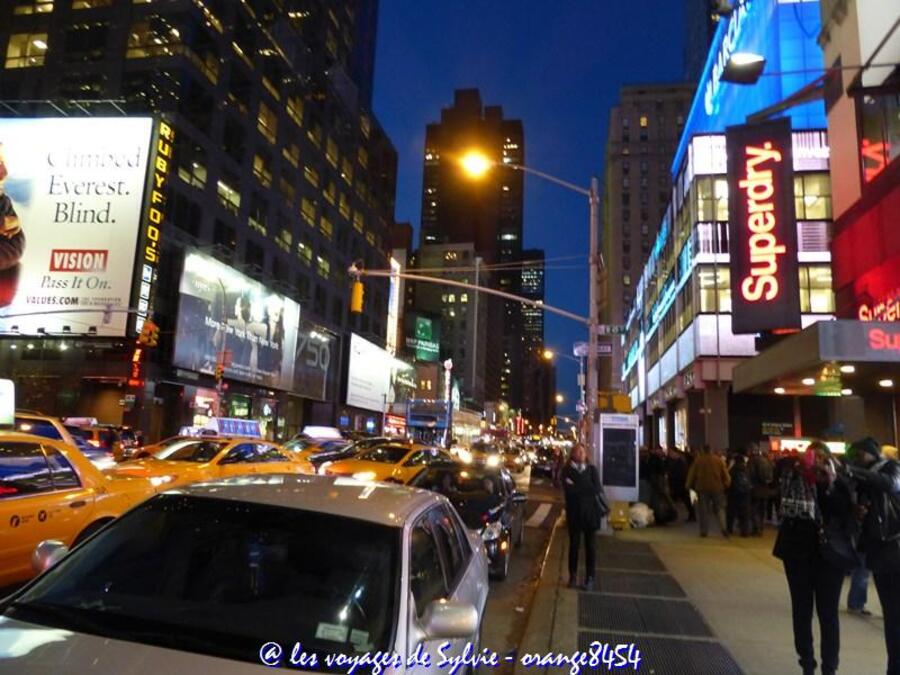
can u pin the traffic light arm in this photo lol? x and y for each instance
(473, 287)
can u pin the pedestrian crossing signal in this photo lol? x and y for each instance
(356, 297)
(220, 372)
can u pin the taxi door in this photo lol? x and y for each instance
(240, 460)
(41, 497)
(272, 459)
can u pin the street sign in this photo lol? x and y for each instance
(604, 349)
(608, 329)
(580, 349)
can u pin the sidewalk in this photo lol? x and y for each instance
(692, 605)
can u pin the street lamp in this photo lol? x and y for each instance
(744, 68)
(560, 398)
(476, 164)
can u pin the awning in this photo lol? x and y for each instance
(828, 358)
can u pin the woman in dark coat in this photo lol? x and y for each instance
(585, 509)
(816, 512)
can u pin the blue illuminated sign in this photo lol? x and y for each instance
(663, 302)
(727, 47)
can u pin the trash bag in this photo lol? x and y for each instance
(640, 515)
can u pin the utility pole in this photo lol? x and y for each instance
(593, 322)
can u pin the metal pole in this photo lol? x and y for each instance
(593, 323)
(475, 334)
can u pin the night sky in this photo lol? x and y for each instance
(558, 67)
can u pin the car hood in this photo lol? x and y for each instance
(352, 466)
(39, 650)
(154, 467)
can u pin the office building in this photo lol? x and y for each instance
(486, 212)
(644, 129)
(280, 171)
(537, 393)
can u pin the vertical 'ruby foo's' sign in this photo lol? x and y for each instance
(762, 227)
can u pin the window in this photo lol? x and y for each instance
(816, 295)
(426, 574)
(26, 50)
(711, 201)
(347, 171)
(86, 41)
(23, 470)
(258, 217)
(344, 206)
(323, 267)
(308, 211)
(229, 198)
(285, 241)
(358, 221)
(190, 160)
(644, 121)
(626, 280)
(812, 196)
(330, 193)
(708, 289)
(62, 473)
(326, 227)
(311, 175)
(294, 109)
(267, 122)
(291, 153)
(33, 7)
(448, 537)
(331, 152)
(262, 170)
(224, 235)
(304, 252)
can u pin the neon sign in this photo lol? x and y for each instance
(881, 340)
(885, 310)
(726, 49)
(762, 228)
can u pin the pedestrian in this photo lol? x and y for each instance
(677, 469)
(739, 496)
(709, 478)
(586, 507)
(762, 475)
(858, 594)
(817, 521)
(878, 487)
(660, 500)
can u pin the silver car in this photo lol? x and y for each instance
(252, 570)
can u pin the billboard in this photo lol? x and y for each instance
(762, 227)
(230, 319)
(423, 336)
(375, 378)
(71, 192)
(314, 363)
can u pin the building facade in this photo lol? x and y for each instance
(486, 212)
(280, 172)
(680, 349)
(643, 132)
(538, 391)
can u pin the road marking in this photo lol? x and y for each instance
(540, 514)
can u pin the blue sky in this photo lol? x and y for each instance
(558, 67)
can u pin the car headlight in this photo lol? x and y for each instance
(492, 531)
(464, 456)
(493, 460)
(159, 481)
(364, 475)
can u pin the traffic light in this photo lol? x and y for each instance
(149, 336)
(220, 372)
(356, 297)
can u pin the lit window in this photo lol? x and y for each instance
(363, 158)
(308, 211)
(26, 50)
(331, 152)
(359, 221)
(33, 7)
(292, 154)
(294, 109)
(90, 4)
(464, 297)
(304, 252)
(326, 227)
(644, 121)
(266, 122)
(229, 198)
(323, 267)
(262, 171)
(311, 175)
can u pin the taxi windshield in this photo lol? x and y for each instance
(222, 577)
(196, 451)
(386, 454)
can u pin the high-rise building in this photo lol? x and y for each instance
(644, 129)
(537, 396)
(279, 169)
(486, 212)
(467, 318)
(700, 21)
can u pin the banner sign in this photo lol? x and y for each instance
(230, 319)
(71, 191)
(313, 365)
(762, 228)
(375, 378)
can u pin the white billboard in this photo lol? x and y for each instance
(71, 192)
(375, 378)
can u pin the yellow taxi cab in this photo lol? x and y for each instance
(393, 462)
(50, 490)
(213, 458)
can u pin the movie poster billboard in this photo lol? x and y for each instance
(230, 319)
(375, 378)
(71, 191)
(762, 227)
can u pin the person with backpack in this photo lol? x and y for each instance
(739, 496)
(878, 489)
(815, 543)
(762, 476)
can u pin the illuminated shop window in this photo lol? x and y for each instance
(33, 7)
(812, 196)
(816, 295)
(26, 50)
(710, 199)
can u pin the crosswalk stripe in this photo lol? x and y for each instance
(539, 515)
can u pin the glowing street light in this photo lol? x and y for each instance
(476, 164)
(560, 398)
(548, 355)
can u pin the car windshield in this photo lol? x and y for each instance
(38, 428)
(223, 577)
(386, 454)
(475, 494)
(298, 444)
(168, 449)
(196, 451)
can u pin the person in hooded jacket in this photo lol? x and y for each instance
(814, 495)
(586, 507)
(878, 486)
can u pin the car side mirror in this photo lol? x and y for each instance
(519, 497)
(448, 620)
(47, 554)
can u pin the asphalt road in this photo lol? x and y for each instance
(509, 601)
